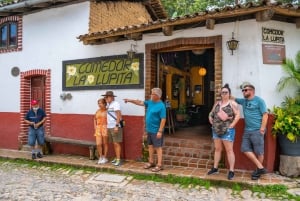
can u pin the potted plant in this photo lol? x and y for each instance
(287, 119)
(286, 125)
(181, 113)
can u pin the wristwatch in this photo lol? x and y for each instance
(117, 125)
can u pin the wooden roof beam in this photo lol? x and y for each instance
(111, 39)
(264, 15)
(167, 30)
(134, 36)
(297, 21)
(210, 24)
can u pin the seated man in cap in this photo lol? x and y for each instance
(35, 118)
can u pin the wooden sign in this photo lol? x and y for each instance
(273, 54)
(112, 72)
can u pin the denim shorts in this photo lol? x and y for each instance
(36, 135)
(153, 140)
(253, 141)
(229, 135)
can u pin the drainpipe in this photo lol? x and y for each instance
(22, 4)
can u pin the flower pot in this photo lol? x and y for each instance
(180, 117)
(287, 147)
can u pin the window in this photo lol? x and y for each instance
(11, 34)
(8, 35)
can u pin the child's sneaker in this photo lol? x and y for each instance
(33, 156)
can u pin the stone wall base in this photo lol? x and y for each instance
(289, 166)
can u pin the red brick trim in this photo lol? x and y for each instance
(25, 87)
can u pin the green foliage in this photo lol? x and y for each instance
(287, 118)
(181, 109)
(292, 71)
(6, 1)
(177, 8)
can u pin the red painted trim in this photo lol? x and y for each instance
(9, 130)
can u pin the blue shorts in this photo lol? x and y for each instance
(253, 141)
(36, 135)
(229, 135)
(153, 140)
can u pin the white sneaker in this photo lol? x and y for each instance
(104, 160)
(100, 160)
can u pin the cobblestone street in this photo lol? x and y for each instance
(23, 182)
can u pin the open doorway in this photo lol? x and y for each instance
(175, 66)
(187, 81)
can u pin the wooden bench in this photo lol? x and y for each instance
(51, 139)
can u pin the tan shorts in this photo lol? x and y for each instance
(115, 137)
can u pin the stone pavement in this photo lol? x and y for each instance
(41, 183)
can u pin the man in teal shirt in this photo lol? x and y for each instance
(256, 117)
(155, 123)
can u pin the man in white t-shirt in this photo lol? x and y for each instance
(115, 132)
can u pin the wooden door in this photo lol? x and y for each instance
(38, 90)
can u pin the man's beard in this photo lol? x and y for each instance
(246, 95)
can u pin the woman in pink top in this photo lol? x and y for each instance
(100, 125)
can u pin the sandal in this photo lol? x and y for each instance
(157, 169)
(149, 165)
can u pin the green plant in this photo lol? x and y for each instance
(292, 71)
(287, 119)
(181, 109)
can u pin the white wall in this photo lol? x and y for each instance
(50, 37)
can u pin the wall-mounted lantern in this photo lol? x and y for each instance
(232, 44)
(132, 51)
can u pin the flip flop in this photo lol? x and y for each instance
(157, 169)
(149, 165)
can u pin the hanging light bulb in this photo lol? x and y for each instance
(202, 71)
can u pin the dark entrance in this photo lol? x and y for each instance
(190, 93)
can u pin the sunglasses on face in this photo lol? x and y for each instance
(245, 90)
(224, 92)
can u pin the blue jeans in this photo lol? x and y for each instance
(36, 135)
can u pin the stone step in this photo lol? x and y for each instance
(194, 153)
(176, 161)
